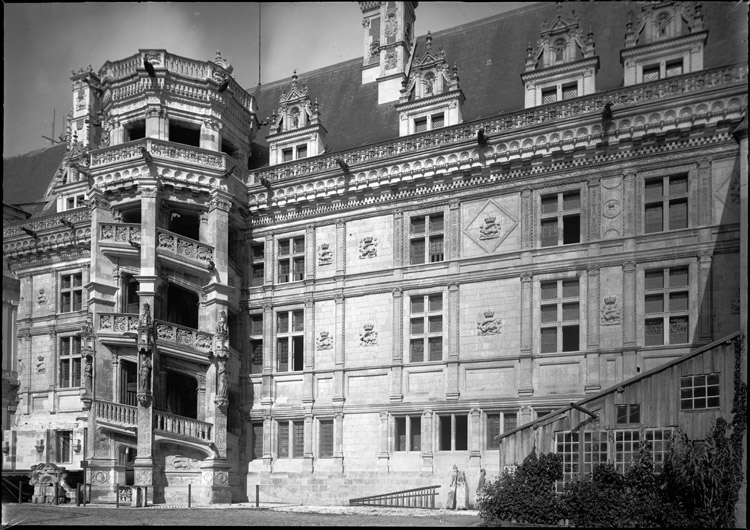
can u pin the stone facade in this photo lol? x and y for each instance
(368, 319)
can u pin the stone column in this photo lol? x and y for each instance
(270, 261)
(398, 346)
(525, 387)
(157, 125)
(266, 393)
(308, 392)
(338, 374)
(338, 442)
(631, 215)
(309, 254)
(592, 354)
(594, 200)
(705, 294)
(451, 369)
(210, 135)
(628, 304)
(398, 236)
(383, 455)
(454, 231)
(267, 442)
(705, 192)
(527, 220)
(427, 464)
(308, 456)
(340, 248)
(475, 440)
(218, 230)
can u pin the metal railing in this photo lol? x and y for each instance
(413, 498)
(183, 426)
(116, 413)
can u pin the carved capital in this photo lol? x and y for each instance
(628, 266)
(397, 292)
(593, 270)
(526, 277)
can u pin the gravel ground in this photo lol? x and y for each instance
(231, 515)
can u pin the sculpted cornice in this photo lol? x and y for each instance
(48, 222)
(685, 40)
(29, 261)
(582, 65)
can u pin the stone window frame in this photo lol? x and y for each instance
(406, 323)
(559, 84)
(319, 449)
(63, 290)
(580, 186)
(255, 338)
(289, 335)
(662, 62)
(426, 236)
(252, 456)
(559, 216)
(667, 200)
(670, 170)
(665, 291)
(257, 262)
(490, 443)
(440, 417)
(560, 301)
(292, 257)
(63, 450)
(408, 420)
(69, 355)
(427, 316)
(295, 447)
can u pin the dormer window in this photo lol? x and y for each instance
(288, 154)
(674, 68)
(429, 123)
(549, 95)
(559, 50)
(570, 91)
(75, 202)
(294, 153)
(650, 73)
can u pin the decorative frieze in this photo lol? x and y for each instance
(184, 247)
(119, 233)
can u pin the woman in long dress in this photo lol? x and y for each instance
(462, 492)
(451, 504)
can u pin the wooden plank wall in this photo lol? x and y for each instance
(658, 395)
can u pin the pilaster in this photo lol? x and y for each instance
(383, 455)
(427, 453)
(525, 387)
(592, 346)
(451, 369)
(475, 439)
(628, 305)
(398, 346)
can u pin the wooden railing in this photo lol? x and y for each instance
(116, 413)
(414, 498)
(183, 426)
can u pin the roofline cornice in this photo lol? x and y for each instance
(560, 69)
(654, 46)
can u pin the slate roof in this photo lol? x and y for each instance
(26, 177)
(490, 55)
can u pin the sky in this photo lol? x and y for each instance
(45, 42)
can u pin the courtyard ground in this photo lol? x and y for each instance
(244, 514)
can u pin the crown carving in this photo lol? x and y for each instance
(324, 246)
(610, 299)
(369, 327)
(490, 219)
(323, 334)
(489, 313)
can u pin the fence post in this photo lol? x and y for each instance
(257, 495)
(189, 492)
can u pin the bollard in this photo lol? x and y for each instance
(117, 495)
(189, 485)
(20, 492)
(57, 486)
(78, 494)
(145, 496)
(257, 495)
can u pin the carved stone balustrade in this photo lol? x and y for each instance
(182, 426)
(116, 413)
(593, 104)
(47, 222)
(120, 233)
(158, 149)
(183, 336)
(183, 247)
(118, 322)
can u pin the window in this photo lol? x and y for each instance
(594, 450)
(70, 362)
(580, 458)
(287, 155)
(508, 420)
(666, 204)
(570, 91)
(325, 443)
(71, 292)
(567, 446)
(258, 256)
(426, 328)
(291, 440)
(699, 391)
(453, 432)
(561, 218)
(627, 444)
(256, 344)
(290, 340)
(291, 259)
(651, 73)
(63, 446)
(667, 301)
(408, 433)
(75, 202)
(628, 414)
(301, 151)
(256, 446)
(559, 49)
(559, 315)
(674, 68)
(426, 239)
(659, 440)
(549, 95)
(428, 123)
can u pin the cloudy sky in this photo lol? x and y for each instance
(44, 42)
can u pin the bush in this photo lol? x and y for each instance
(526, 496)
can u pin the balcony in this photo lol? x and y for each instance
(181, 427)
(119, 239)
(116, 416)
(181, 251)
(117, 328)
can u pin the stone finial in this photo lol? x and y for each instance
(428, 40)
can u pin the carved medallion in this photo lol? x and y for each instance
(490, 226)
(611, 208)
(489, 325)
(323, 342)
(368, 337)
(325, 254)
(610, 312)
(368, 247)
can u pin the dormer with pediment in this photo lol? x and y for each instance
(431, 97)
(563, 64)
(296, 131)
(667, 40)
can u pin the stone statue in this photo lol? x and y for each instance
(88, 371)
(462, 492)
(221, 390)
(451, 503)
(145, 373)
(480, 484)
